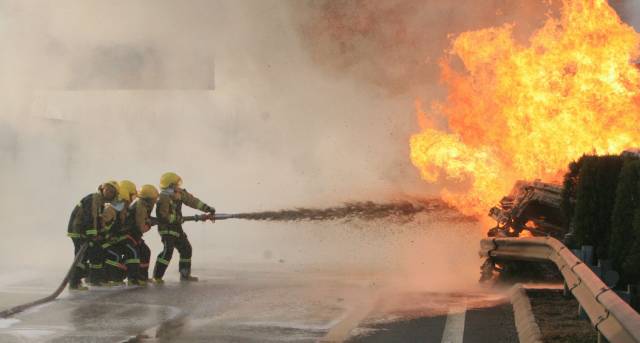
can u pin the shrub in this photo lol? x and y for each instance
(569, 189)
(627, 203)
(595, 197)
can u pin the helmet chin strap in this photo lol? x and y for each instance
(168, 191)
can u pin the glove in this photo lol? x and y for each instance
(208, 209)
(205, 217)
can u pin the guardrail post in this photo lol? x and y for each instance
(581, 313)
(601, 338)
(633, 295)
(586, 254)
(626, 295)
(577, 252)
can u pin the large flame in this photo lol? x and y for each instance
(525, 112)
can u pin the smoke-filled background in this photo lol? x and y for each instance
(258, 105)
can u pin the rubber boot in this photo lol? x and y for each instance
(144, 272)
(76, 285)
(158, 270)
(136, 282)
(185, 275)
(97, 277)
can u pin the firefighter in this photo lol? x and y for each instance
(129, 188)
(85, 226)
(122, 254)
(169, 214)
(114, 266)
(139, 221)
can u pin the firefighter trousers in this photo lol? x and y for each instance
(95, 255)
(180, 242)
(145, 256)
(80, 269)
(122, 257)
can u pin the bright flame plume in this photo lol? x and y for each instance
(525, 111)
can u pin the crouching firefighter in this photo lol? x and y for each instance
(139, 221)
(169, 215)
(85, 225)
(121, 248)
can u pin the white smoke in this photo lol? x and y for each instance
(233, 96)
(222, 93)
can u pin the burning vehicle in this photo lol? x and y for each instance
(531, 209)
(518, 111)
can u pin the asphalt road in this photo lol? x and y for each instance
(259, 306)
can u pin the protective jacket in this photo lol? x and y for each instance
(138, 221)
(121, 251)
(169, 210)
(113, 219)
(85, 221)
(138, 218)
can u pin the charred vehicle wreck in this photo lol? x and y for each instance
(532, 209)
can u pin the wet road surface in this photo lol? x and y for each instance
(259, 306)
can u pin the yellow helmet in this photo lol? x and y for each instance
(128, 188)
(170, 179)
(148, 192)
(111, 183)
(122, 196)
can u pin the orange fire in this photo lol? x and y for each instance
(525, 111)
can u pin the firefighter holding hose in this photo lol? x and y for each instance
(169, 215)
(131, 194)
(121, 248)
(138, 222)
(86, 225)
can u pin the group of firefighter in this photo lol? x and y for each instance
(109, 226)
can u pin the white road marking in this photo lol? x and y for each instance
(454, 327)
(352, 318)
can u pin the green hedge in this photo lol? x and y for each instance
(601, 198)
(627, 203)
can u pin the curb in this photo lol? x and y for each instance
(528, 330)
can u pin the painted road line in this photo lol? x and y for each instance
(454, 327)
(352, 318)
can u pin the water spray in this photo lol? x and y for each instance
(400, 211)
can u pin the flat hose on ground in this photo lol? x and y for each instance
(52, 296)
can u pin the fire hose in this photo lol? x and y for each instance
(80, 255)
(213, 217)
(366, 210)
(52, 296)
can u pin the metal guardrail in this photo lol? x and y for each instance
(609, 314)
